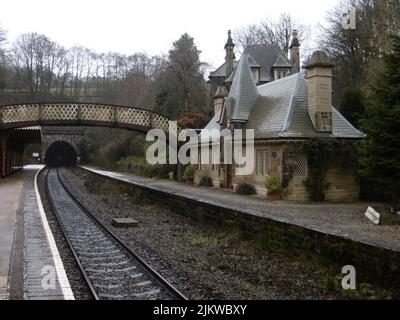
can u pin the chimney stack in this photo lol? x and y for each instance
(219, 98)
(319, 81)
(295, 52)
(229, 56)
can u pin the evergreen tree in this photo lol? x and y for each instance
(380, 158)
(352, 105)
(182, 85)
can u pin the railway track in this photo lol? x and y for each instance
(111, 270)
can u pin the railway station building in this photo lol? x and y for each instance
(285, 105)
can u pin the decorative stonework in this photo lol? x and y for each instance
(71, 135)
(323, 121)
(319, 81)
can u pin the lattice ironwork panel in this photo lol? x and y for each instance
(60, 111)
(82, 111)
(20, 113)
(301, 168)
(160, 122)
(93, 112)
(133, 116)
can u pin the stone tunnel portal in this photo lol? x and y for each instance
(61, 153)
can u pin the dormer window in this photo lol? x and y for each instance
(280, 73)
(256, 74)
(281, 68)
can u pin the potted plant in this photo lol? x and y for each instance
(274, 186)
(188, 174)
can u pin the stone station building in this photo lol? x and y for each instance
(285, 106)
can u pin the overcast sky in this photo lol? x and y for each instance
(150, 26)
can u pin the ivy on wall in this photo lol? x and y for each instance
(323, 153)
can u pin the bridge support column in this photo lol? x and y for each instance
(20, 160)
(4, 155)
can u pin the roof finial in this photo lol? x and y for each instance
(295, 40)
(229, 42)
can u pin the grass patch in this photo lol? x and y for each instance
(199, 239)
(364, 291)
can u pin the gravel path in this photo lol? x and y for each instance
(202, 261)
(346, 220)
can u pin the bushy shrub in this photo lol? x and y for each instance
(140, 167)
(273, 184)
(188, 173)
(206, 181)
(156, 171)
(246, 189)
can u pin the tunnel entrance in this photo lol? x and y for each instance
(61, 153)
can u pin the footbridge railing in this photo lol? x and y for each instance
(85, 114)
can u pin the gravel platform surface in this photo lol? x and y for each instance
(343, 219)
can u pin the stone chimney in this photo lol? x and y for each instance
(219, 98)
(319, 81)
(295, 52)
(229, 56)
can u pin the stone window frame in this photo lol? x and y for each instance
(280, 73)
(214, 167)
(265, 162)
(324, 121)
(199, 164)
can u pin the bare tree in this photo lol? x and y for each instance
(44, 70)
(357, 53)
(270, 31)
(3, 37)
(36, 58)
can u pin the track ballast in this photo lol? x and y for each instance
(112, 271)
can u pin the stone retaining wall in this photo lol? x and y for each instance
(373, 264)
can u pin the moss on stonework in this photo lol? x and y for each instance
(364, 291)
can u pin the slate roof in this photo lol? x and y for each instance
(266, 56)
(278, 109)
(221, 71)
(213, 124)
(243, 93)
(252, 62)
(281, 62)
(259, 55)
(282, 112)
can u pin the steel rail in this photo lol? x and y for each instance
(81, 268)
(175, 292)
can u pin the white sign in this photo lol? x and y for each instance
(35, 155)
(372, 215)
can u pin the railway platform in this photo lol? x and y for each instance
(345, 220)
(337, 234)
(30, 265)
(10, 195)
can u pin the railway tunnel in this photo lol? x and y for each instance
(61, 153)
